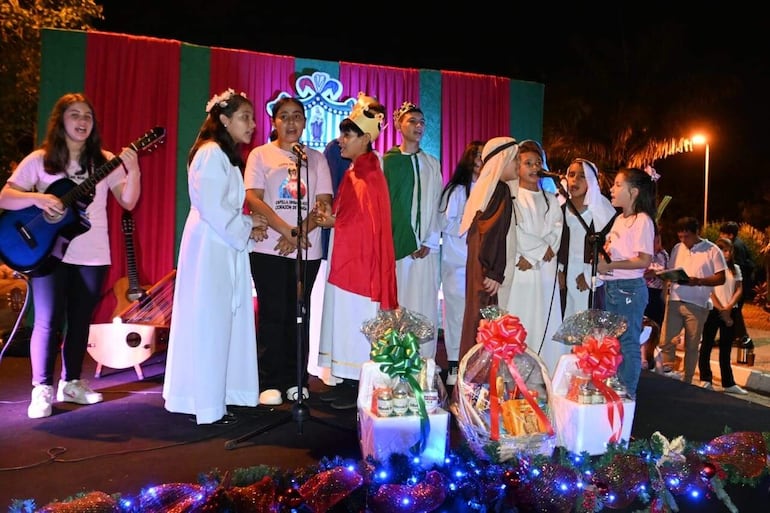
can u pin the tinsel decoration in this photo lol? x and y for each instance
(623, 477)
(164, 498)
(260, 497)
(547, 488)
(326, 489)
(745, 451)
(94, 502)
(427, 495)
(653, 471)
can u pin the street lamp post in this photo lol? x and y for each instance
(700, 139)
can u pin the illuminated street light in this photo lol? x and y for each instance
(701, 139)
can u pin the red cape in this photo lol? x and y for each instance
(363, 260)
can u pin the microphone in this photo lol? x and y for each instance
(547, 174)
(297, 148)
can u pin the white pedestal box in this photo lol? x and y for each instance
(585, 427)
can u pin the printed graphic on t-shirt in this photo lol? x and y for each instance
(288, 189)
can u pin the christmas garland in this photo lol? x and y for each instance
(652, 473)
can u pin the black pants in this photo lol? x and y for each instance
(275, 280)
(64, 302)
(713, 324)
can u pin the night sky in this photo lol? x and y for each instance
(544, 43)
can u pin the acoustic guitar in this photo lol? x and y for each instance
(33, 241)
(127, 289)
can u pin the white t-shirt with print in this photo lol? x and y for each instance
(274, 171)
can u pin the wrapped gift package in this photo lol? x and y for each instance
(382, 436)
(585, 427)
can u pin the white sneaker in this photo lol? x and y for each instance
(291, 393)
(707, 385)
(270, 397)
(40, 405)
(77, 391)
(735, 389)
(451, 377)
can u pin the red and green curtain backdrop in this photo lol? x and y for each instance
(137, 83)
(391, 86)
(473, 107)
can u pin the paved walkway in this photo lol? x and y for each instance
(755, 378)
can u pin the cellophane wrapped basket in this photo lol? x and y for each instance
(502, 399)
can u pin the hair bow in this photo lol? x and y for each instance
(654, 176)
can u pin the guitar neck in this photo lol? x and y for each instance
(89, 184)
(131, 269)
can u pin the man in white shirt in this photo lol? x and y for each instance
(687, 302)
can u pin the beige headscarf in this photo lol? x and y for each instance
(497, 153)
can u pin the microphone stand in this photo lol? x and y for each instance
(596, 239)
(300, 412)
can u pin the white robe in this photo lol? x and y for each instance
(212, 352)
(454, 255)
(343, 348)
(534, 294)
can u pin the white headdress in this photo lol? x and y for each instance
(495, 155)
(600, 207)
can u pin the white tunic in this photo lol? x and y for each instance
(212, 352)
(534, 294)
(454, 255)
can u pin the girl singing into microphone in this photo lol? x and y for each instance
(280, 177)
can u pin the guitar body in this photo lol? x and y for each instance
(125, 294)
(34, 242)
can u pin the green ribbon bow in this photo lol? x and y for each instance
(399, 357)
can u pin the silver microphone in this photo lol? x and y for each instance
(298, 149)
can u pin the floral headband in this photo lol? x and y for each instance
(406, 107)
(654, 176)
(222, 99)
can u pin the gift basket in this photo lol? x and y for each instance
(591, 406)
(502, 399)
(401, 398)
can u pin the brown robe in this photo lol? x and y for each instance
(486, 258)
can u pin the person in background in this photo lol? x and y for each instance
(212, 359)
(725, 299)
(742, 257)
(454, 251)
(279, 180)
(687, 303)
(534, 294)
(415, 184)
(337, 167)
(68, 294)
(486, 223)
(656, 286)
(629, 246)
(576, 249)
(361, 277)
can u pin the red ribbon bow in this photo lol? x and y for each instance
(504, 337)
(600, 360)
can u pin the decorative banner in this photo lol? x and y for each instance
(320, 94)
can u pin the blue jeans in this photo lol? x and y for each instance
(629, 299)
